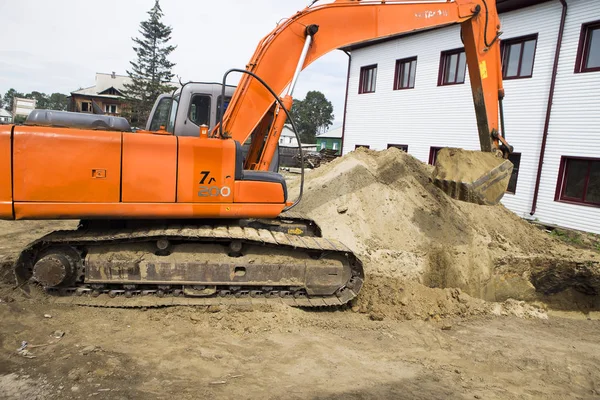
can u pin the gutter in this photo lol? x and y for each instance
(345, 102)
(549, 107)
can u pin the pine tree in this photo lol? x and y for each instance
(151, 72)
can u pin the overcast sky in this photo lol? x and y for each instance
(59, 45)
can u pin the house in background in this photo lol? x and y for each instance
(331, 140)
(287, 137)
(5, 117)
(107, 93)
(414, 90)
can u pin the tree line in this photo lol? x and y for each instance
(54, 101)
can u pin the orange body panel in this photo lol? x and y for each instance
(6, 210)
(149, 168)
(137, 210)
(68, 165)
(206, 170)
(258, 192)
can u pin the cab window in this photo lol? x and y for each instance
(165, 114)
(200, 110)
(173, 115)
(225, 105)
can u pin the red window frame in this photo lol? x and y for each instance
(444, 56)
(401, 66)
(403, 147)
(433, 152)
(583, 50)
(363, 81)
(358, 146)
(505, 53)
(561, 185)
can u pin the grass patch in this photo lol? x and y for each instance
(578, 239)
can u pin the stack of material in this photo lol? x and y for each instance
(328, 155)
(315, 159)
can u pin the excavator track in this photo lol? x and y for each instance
(237, 263)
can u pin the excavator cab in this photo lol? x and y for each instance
(189, 107)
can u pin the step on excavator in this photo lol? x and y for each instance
(173, 219)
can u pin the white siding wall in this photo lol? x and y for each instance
(574, 124)
(526, 99)
(432, 115)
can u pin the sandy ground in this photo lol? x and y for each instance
(279, 352)
(190, 353)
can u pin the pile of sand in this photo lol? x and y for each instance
(384, 207)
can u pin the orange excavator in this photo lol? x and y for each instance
(169, 219)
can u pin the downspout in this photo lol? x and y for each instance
(345, 102)
(549, 108)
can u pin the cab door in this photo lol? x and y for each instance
(195, 115)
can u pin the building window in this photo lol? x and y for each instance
(515, 159)
(588, 54)
(358, 146)
(579, 181)
(110, 108)
(403, 147)
(517, 57)
(453, 67)
(406, 71)
(433, 152)
(86, 106)
(334, 146)
(368, 77)
(322, 146)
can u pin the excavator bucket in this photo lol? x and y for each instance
(472, 176)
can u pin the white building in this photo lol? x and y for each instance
(287, 137)
(23, 107)
(557, 132)
(5, 116)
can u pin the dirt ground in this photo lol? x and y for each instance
(274, 353)
(459, 302)
(436, 344)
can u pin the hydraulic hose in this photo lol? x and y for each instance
(287, 113)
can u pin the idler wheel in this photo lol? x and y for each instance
(52, 270)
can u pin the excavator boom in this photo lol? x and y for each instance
(345, 22)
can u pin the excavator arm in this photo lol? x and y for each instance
(298, 41)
